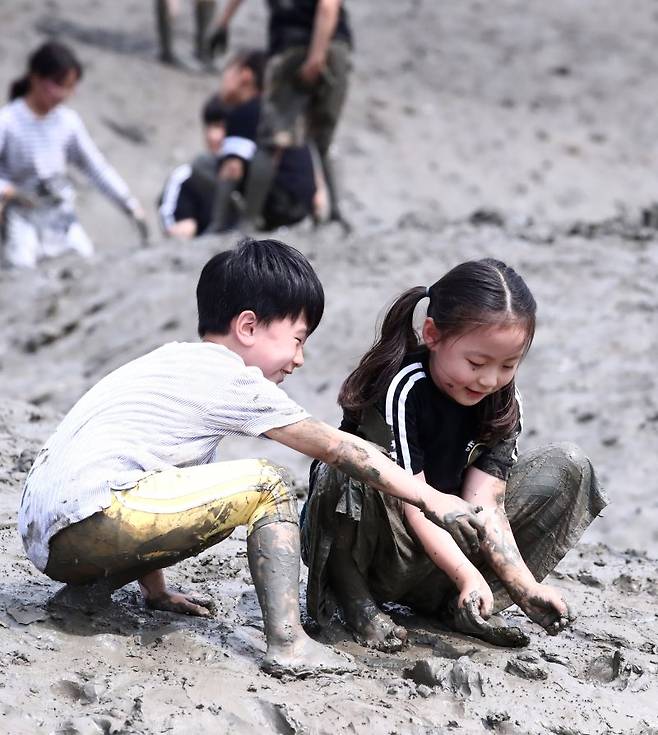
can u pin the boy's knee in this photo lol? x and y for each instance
(276, 480)
(273, 474)
(279, 502)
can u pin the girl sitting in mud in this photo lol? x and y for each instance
(448, 412)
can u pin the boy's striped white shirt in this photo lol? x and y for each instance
(169, 408)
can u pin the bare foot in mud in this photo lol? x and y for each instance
(305, 657)
(373, 628)
(468, 620)
(178, 602)
(158, 597)
(370, 626)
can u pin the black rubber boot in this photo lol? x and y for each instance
(165, 32)
(204, 12)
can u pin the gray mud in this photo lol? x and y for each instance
(526, 133)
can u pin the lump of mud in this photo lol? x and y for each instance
(627, 584)
(428, 671)
(526, 667)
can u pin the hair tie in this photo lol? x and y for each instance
(427, 292)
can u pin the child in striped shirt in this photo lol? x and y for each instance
(39, 137)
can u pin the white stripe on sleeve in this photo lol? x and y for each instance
(390, 396)
(235, 145)
(167, 208)
(402, 420)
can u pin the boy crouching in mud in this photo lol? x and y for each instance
(127, 484)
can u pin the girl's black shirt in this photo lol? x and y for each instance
(425, 430)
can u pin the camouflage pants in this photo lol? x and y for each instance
(552, 496)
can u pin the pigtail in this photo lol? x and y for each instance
(371, 378)
(19, 87)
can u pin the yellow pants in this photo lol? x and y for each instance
(169, 516)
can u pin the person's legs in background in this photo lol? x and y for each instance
(164, 26)
(324, 112)
(204, 11)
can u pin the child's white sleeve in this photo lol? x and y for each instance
(251, 405)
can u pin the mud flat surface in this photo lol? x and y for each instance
(528, 135)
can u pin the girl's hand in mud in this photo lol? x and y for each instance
(546, 606)
(475, 599)
(181, 603)
(457, 517)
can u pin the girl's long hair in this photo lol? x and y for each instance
(52, 60)
(474, 294)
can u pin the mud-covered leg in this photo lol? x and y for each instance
(329, 174)
(371, 627)
(273, 553)
(262, 170)
(221, 213)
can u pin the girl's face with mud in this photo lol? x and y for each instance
(470, 366)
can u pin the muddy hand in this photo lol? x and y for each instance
(142, 230)
(460, 522)
(184, 604)
(466, 618)
(546, 606)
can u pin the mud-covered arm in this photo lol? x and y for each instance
(324, 25)
(364, 462)
(441, 548)
(542, 603)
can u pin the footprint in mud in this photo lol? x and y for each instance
(463, 678)
(620, 670)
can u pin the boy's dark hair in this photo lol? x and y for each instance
(254, 60)
(213, 111)
(268, 277)
(52, 60)
(474, 294)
